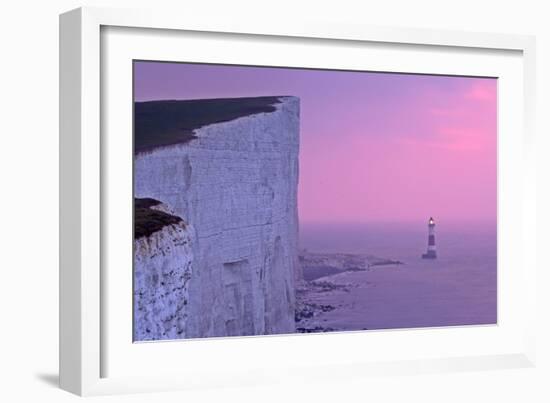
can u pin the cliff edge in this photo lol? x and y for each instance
(163, 264)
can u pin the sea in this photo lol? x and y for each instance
(457, 288)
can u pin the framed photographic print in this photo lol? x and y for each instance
(236, 200)
(233, 239)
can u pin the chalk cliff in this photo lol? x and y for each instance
(163, 263)
(234, 183)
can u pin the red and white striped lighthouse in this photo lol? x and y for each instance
(430, 253)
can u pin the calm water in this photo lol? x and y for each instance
(458, 288)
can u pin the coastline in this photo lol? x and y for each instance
(325, 284)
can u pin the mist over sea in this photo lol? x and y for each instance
(457, 288)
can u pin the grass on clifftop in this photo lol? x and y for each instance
(148, 221)
(162, 123)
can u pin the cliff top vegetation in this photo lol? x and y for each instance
(147, 220)
(163, 123)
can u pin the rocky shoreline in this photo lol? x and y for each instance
(324, 285)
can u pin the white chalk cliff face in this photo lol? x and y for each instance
(235, 185)
(163, 264)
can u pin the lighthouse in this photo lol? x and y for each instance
(430, 253)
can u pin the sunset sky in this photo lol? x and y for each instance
(373, 146)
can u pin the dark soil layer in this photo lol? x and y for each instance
(163, 123)
(148, 221)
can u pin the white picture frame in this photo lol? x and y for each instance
(85, 344)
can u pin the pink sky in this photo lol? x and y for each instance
(374, 146)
